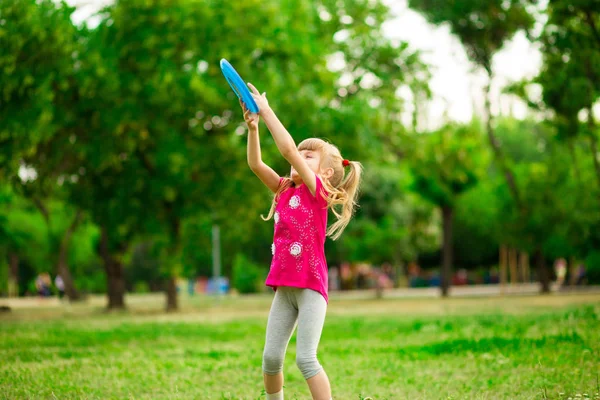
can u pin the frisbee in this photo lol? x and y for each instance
(237, 84)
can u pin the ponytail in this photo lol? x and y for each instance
(344, 195)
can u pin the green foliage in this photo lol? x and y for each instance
(448, 162)
(27, 233)
(592, 267)
(143, 267)
(478, 224)
(141, 287)
(38, 42)
(90, 278)
(562, 210)
(247, 276)
(391, 225)
(82, 252)
(571, 69)
(36, 243)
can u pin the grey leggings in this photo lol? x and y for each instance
(291, 305)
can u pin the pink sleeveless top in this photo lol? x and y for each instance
(299, 240)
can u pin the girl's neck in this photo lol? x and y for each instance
(300, 182)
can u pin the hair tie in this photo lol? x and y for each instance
(345, 163)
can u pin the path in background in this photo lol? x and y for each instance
(465, 300)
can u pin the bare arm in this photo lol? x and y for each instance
(284, 141)
(265, 173)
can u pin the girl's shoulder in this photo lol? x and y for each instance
(286, 187)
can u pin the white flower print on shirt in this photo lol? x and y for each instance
(273, 248)
(295, 249)
(276, 217)
(294, 201)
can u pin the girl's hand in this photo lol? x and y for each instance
(260, 99)
(250, 118)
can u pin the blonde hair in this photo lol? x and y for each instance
(341, 187)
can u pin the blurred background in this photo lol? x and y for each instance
(123, 149)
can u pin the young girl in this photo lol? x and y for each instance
(319, 179)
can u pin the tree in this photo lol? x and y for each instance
(445, 164)
(569, 85)
(40, 43)
(37, 40)
(147, 138)
(570, 76)
(483, 28)
(13, 240)
(391, 225)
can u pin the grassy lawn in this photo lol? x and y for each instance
(529, 347)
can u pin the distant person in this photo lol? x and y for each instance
(414, 274)
(60, 286)
(461, 278)
(42, 284)
(560, 268)
(493, 276)
(383, 280)
(320, 178)
(388, 270)
(346, 277)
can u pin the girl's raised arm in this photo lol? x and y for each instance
(284, 141)
(265, 173)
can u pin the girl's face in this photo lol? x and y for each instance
(313, 159)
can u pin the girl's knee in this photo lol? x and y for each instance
(308, 365)
(272, 362)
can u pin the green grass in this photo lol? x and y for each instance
(481, 348)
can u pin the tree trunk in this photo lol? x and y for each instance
(524, 265)
(172, 303)
(496, 147)
(543, 275)
(116, 285)
(503, 269)
(572, 271)
(512, 265)
(446, 250)
(13, 275)
(63, 265)
(114, 275)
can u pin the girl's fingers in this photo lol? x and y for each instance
(254, 90)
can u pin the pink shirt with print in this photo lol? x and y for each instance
(299, 240)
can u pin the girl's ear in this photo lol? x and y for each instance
(327, 173)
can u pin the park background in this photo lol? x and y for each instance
(123, 168)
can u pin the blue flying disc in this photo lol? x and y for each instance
(237, 84)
